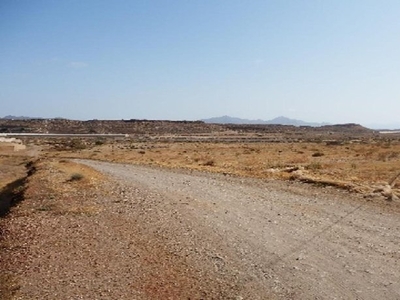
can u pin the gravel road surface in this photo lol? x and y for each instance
(248, 239)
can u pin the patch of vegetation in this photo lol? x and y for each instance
(314, 166)
(318, 154)
(45, 207)
(76, 177)
(209, 163)
(99, 142)
(77, 144)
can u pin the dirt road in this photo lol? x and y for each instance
(267, 240)
(152, 233)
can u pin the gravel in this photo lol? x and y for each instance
(164, 234)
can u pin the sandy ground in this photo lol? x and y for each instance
(160, 234)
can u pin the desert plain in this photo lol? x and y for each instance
(54, 190)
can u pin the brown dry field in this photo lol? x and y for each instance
(360, 166)
(12, 172)
(53, 181)
(12, 166)
(357, 166)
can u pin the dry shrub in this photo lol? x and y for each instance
(76, 177)
(298, 160)
(364, 163)
(313, 166)
(99, 142)
(209, 163)
(77, 145)
(382, 156)
(387, 155)
(318, 154)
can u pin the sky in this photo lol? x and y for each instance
(334, 61)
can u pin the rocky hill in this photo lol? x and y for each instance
(105, 126)
(185, 128)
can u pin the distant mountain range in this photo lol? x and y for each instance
(277, 121)
(17, 118)
(232, 120)
(25, 118)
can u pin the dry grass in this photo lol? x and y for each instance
(76, 177)
(12, 169)
(48, 191)
(12, 173)
(363, 164)
(57, 189)
(58, 179)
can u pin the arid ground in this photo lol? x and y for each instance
(233, 213)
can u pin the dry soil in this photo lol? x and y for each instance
(152, 233)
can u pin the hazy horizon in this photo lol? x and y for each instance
(393, 126)
(315, 61)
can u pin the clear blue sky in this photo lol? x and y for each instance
(335, 61)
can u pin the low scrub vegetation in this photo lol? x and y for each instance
(356, 162)
(76, 177)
